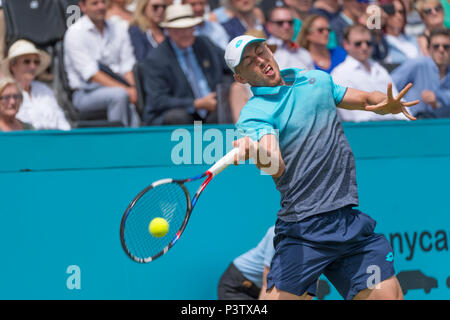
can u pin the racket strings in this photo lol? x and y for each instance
(166, 201)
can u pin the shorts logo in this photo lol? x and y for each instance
(312, 80)
(390, 257)
(238, 43)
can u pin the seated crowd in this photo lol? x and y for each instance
(178, 51)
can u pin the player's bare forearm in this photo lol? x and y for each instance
(266, 153)
(358, 100)
(378, 102)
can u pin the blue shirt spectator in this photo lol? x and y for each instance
(337, 56)
(424, 74)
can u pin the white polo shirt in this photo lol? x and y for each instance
(352, 73)
(85, 46)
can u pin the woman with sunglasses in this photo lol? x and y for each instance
(40, 108)
(314, 36)
(145, 32)
(10, 100)
(401, 47)
(432, 14)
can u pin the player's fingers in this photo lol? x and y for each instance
(374, 107)
(404, 91)
(389, 91)
(407, 114)
(411, 103)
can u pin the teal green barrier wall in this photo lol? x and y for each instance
(62, 195)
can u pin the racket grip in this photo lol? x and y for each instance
(224, 162)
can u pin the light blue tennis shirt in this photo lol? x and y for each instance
(320, 174)
(251, 264)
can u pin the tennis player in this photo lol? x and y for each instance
(292, 120)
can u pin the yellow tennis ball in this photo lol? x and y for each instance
(158, 227)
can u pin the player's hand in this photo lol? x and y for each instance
(208, 102)
(429, 97)
(247, 149)
(394, 105)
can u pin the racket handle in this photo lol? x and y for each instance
(224, 162)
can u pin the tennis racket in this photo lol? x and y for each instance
(168, 199)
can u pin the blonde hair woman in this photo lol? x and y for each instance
(10, 101)
(314, 36)
(145, 32)
(432, 14)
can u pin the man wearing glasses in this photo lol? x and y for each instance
(431, 78)
(288, 54)
(361, 72)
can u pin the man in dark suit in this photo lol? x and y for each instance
(181, 75)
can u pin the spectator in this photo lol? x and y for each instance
(359, 71)
(181, 75)
(245, 18)
(314, 37)
(39, 106)
(99, 60)
(414, 24)
(288, 54)
(351, 11)
(432, 15)
(10, 100)
(145, 32)
(245, 277)
(211, 29)
(430, 76)
(300, 9)
(225, 12)
(401, 47)
(117, 12)
(328, 8)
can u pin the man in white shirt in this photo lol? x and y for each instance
(359, 71)
(92, 41)
(288, 54)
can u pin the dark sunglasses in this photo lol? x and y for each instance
(401, 11)
(29, 61)
(321, 30)
(157, 6)
(281, 22)
(8, 97)
(435, 9)
(359, 43)
(437, 45)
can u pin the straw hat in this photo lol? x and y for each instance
(23, 47)
(179, 16)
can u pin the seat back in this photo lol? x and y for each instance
(39, 21)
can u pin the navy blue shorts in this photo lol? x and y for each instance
(340, 244)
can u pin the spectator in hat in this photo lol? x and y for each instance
(432, 14)
(99, 60)
(39, 105)
(10, 100)
(181, 75)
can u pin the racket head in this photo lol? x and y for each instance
(168, 199)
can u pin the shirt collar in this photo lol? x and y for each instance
(288, 75)
(355, 64)
(91, 26)
(178, 50)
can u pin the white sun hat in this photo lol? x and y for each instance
(180, 16)
(234, 50)
(23, 47)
